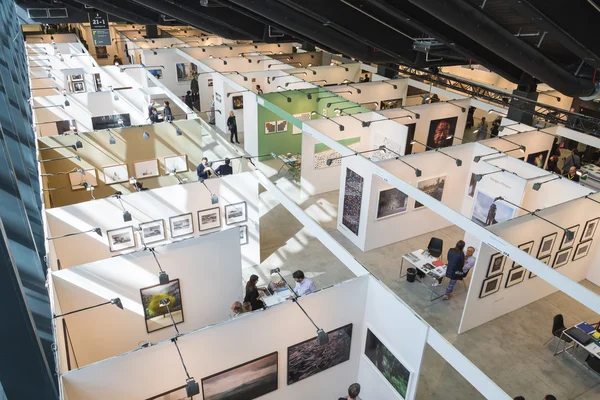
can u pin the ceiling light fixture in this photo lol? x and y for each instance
(341, 127)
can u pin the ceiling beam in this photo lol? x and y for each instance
(116, 11)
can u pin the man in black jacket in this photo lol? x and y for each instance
(353, 392)
(224, 169)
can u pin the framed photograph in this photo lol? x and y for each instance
(307, 358)
(243, 234)
(121, 239)
(209, 219)
(562, 258)
(157, 73)
(490, 286)
(392, 369)
(176, 163)
(67, 126)
(322, 153)
(76, 77)
(538, 159)
(389, 104)
(282, 126)
(566, 242)
(545, 260)
(236, 213)
(178, 393)
(488, 212)
(353, 189)
(153, 231)
(210, 82)
(546, 245)
(439, 130)
(156, 315)
(527, 248)
(79, 87)
(238, 102)
(496, 264)
(582, 250)
(115, 174)
(77, 178)
(391, 202)
(472, 186)
(589, 230)
(111, 121)
(181, 225)
(515, 276)
(146, 169)
(270, 127)
(246, 381)
(185, 72)
(433, 187)
(302, 117)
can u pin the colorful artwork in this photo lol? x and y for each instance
(433, 187)
(157, 73)
(186, 72)
(352, 201)
(439, 130)
(324, 153)
(238, 102)
(155, 312)
(390, 367)
(538, 159)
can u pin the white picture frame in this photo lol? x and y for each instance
(209, 219)
(515, 276)
(115, 174)
(282, 126)
(181, 225)
(152, 231)
(546, 245)
(562, 258)
(270, 127)
(121, 239)
(243, 234)
(490, 285)
(236, 213)
(178, 163)
(77, 178)
(146, 169)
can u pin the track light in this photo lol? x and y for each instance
(458, 161)
(389, 83)
(521, 147)
(214, 199)
(330, 160)
(336, 102)
(398, 155)
(289, 99)
(463, 109)
(503, 114)
(236, 72)
(339, 125)
(538, 185)
(241, 91)
(146, 135)
(366, 124)
(478, 177)
(97, 231)
(78, 145)
(112, 140)
(568, 234)
(178, 131)
(116, 301)
(319, 80)
(61, 158)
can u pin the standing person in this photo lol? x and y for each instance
(232, 126)
(470, 119)
(194, 86)
(495, 127)
(353, 392)
(203, 169)
(482, 129)
(188, 100)
(258, 89)
(117, 60)
(211, 114)
(224, 169)
(252, 294)
(303, 285)
(155, 116)
(469, 260)
(366, 78)
(167, 113)
(552, 165)
(150, 108)
(456, 261)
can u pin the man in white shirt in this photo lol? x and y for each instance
(303, 285)
(469, 259)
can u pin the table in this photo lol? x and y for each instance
(593, 173)
(278, 297)
(292, 163)
(424, 263)
(593, 348)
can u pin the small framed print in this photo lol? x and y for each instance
(146, 169)
(121, 239)
(490, 285)
(236, 213)
(515, 276)
(282, 126)
(153, 231)
(270, 127)
(582, 250)
(79, 87)
(527, 248)
(546, 245)
(176, 163)
(565, 241)
(181, 225)
(562, 258)
(209, 219)
(545, 260)
(115, 174)
(589, 230)
(243, 234)
(496, 264)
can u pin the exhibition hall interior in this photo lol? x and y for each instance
(289, 199)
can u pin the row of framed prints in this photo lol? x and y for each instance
(144, 169)
(562, 257)
(121, 239)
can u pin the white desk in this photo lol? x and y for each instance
(593, 349)
(277, 297)
(424, 264)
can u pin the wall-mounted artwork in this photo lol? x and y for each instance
(372, 105)
(352, 201)
(185, 72)
(79, 87)
(589, 229)
(490, 286)
(157, 73)
(545, 260)
(76, 77)
(111, 121)
(389, 104)
(69, 126)
(237, 102)
(538, 159)
(515, 276)
(562, 258)
(410, 135)
(77, 178)
(270, 127)
(302, 117)
(243, 234)
(121, 239)
(546, 245)
(236, 213)
(582, 250)
(307, 358)
(246, 381)
(152, 231)
(434, 187)
(218, 97)
(209, 219)
(488, 212)
(101, 52)
(390, 367)
(181, 225)
(439, 130)
(496, 264)
(178, 393)
(324, 153)
(156, 315)
(566, 242)
(391, 202)
(176, 163)
(115, 173)
(527, 248)
(282, 126)
(472, 186)
(146, 169)
(210, 82)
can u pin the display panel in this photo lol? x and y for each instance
(352, 201)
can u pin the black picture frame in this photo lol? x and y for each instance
(243, 234)
(565, 243)
(387, 363)
(545, 260)
(562, 257)
(496, 265)
(588, 232)
(515, 276)
(528, 248)
(201, 225)
(497, 279)
(144, 225)
(125, 229)
(191, 218)
(543, 253)
(587, 243)
(235, 206)
(173, 307)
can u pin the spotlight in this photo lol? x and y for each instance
(192, 388)
(179, 132)
(476, 159)
(112, 140)
(163, 278)
(78, 145)
(126, 216)
(146, 135)
(329, 161)
(418, 172)
(322, 337)
(523, 149)
(67, 104)
(458, 162)
(478, 177)
(117, 302)
(214, 199)
(116, 97)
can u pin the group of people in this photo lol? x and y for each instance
(154, 116)
(205, 167)
(458, 265)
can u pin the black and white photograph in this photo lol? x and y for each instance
(121, 239)
(153, 231)
(589, 230)
(181, 225)
(433, 187)
(496, 264)
(79, 87)
(527, 248)
(389, 104)
(156, 313)
(391, 202)
(243, 234)
(562, 258)
(209, 219)
(546, 245)
(472, 186)
(582, 250)
(236, 213)
(76, 77)
(515, 276)
(565, 243)
(115, 174)
(307, 358)
(490, 285)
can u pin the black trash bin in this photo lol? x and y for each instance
(411, 274)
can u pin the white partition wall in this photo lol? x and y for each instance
(374, 91)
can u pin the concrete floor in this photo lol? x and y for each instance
(508, 349)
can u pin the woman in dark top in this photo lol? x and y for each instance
(232, 126)
(252, 294)
(456, 262)
(168, 114)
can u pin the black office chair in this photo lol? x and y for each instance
(593, 363)
(435, 247)
(558, 326)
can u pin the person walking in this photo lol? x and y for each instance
(167, 113)
(456, 262)
(188, 100)
(259, 90)
(211, 113)
(232, 126)
(482, 129)
(353, 392)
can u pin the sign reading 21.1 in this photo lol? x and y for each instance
(98, 20)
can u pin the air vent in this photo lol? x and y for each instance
(58, 12)
(37, 12)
